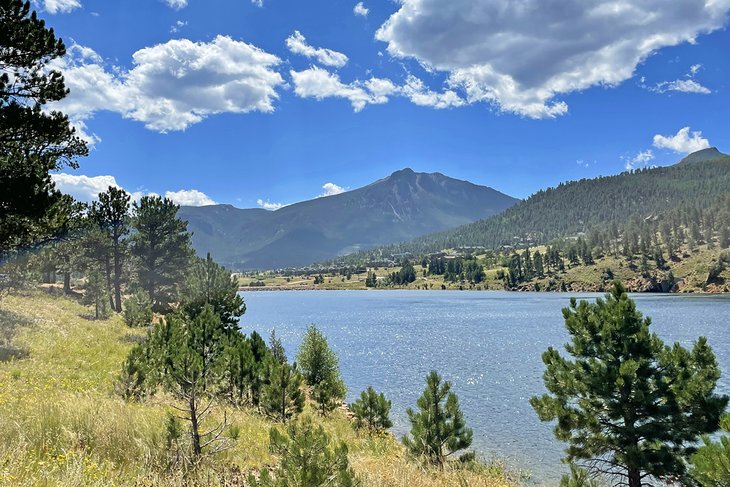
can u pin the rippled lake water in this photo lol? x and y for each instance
(488, 344)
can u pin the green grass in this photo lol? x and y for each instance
(62, 424)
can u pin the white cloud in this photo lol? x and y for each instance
(360, 10)
(266, 205)
(177, 26)
(87, 188)
(189, 197)
(320, 84)
(682, 142)
(258, 3)
(173, 85)
(176, 4)
(417, 92)
(642, 159)
(297, 44)
(83, 188)
(331, 189)
(681, 85)
(58, 6)
(521, 56)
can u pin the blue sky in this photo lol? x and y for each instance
(277, 101)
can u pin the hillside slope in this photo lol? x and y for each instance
(578, 206)
(400, 207)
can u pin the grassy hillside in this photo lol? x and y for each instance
(61, 423)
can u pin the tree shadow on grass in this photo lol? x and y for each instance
(9, 324)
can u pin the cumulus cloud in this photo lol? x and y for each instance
(683, 142)
(83, 188)
(189, 197)
(361, 10)
(641, 159)
(267, 205)
(173, 85)
(58, 6)
(297, 44)
(319, 83)
(176, 4)
(87, 188)
(331, 189)
(521, 56)
(416, 91)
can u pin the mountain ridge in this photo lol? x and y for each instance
(575, 207)
(399, 207)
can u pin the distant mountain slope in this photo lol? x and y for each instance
(578, 206)
(400, 207)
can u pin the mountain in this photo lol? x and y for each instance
(704, 155)
(573, 207)
(400, 207)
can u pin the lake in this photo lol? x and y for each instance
(488, 344)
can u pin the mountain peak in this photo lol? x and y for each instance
(405, 172)
(709, 154)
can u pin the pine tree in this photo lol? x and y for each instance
(438, 429)
(212, 284)
(372, 411)
(307, 457)
(185, 354)
(96, 294)
(277, 349)
(711, 462)
(282, 396)
(162, 248)
(111, 215)
(628, 405)
(33, 139)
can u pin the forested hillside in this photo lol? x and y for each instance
(586, 204)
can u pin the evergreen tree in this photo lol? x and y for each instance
(328, 394)
(138, 310)
(711, 462)
(162, 248)
(111, 215)
(96, 294)
(186, 352)
(628, 405)
(33, 139)
(438, 429)
(211, 284)
(277, 349)
(307, 458)
(372, 411)
(321, 369)
(282, 396)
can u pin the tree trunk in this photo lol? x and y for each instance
(108, 272)
(67, 282)
(117, 277)
(634, 477)
(194, 427)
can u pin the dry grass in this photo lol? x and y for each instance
(61, 423)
